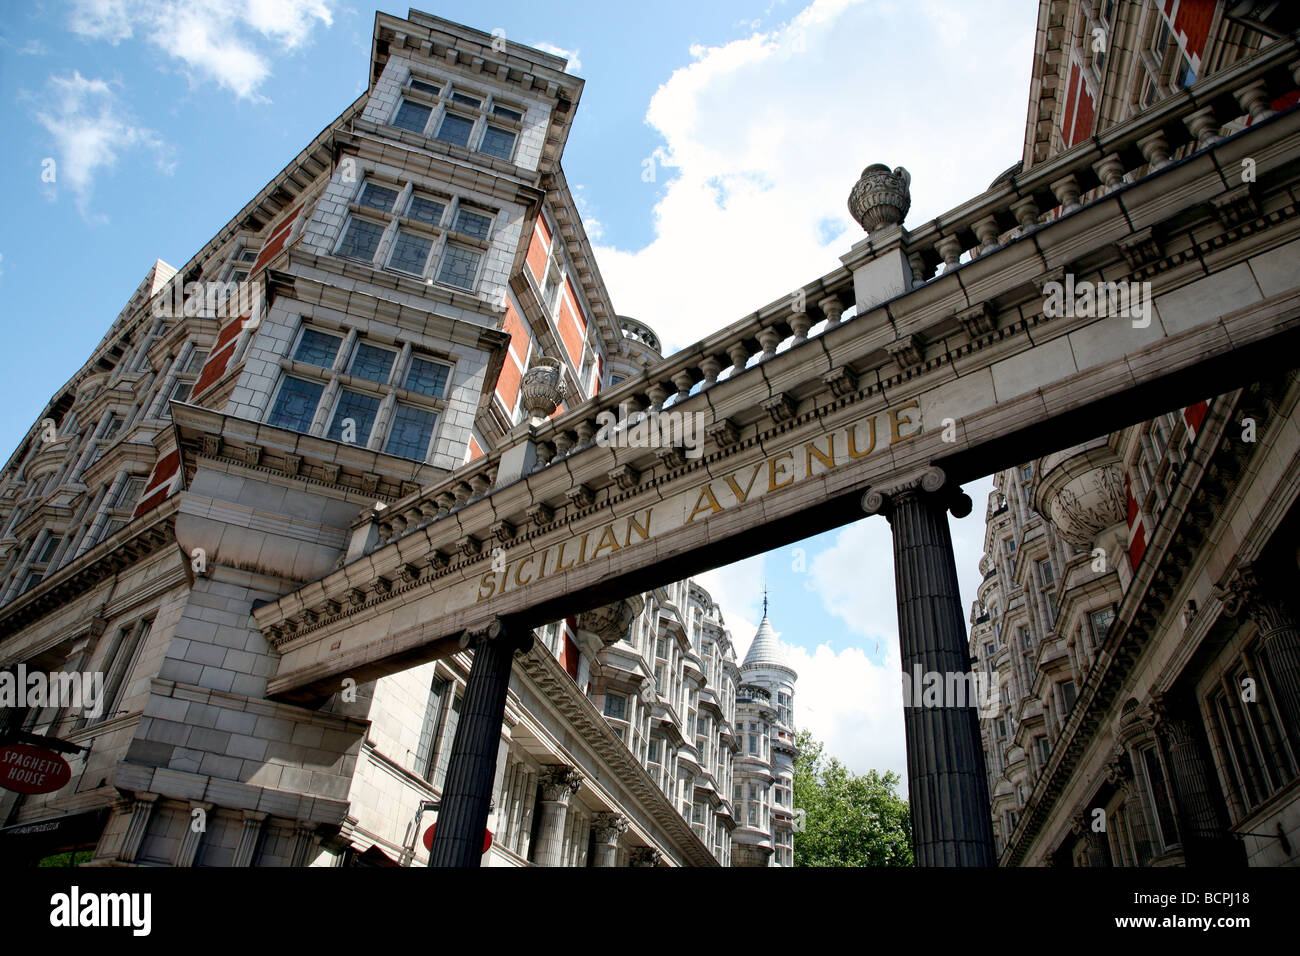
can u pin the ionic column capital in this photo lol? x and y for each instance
(931, 484)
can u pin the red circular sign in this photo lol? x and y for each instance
(28, 769)
(428, 838)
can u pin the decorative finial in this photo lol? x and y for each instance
(880, 198)
(765, 597)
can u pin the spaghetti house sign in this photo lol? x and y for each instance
(28, 769)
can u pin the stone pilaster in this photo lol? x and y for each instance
(139, 808)
(947, 783)
(606, 828)
(559, 783)
(189, 845)
(1279, 635)
(1098, 854)
(248, 836)
(304, 840)
(471, 769)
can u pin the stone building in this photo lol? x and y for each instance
(421, 285)
(1135, 602)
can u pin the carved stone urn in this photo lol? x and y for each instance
(880, 198)
(542, 389)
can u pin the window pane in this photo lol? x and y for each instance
(129, 495)
(466, 99)
(317, 348)
(378, 197)
(195, 362)
(296, 404)
(361, 240)
(427, 378)
(507, 113)
(181, 391)
(455, 129)
(372, 363)
(498, 142)
(459, 266)
(412, 116)
(360, 410)
(412, 429)
(473, 224)
(425, 210)
(424, 87)
(410, 253)
(248, 255)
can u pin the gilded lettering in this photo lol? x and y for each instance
(519, 566)
(773, 471)
(642, 530)
(896, 421)
(827, 457)
(490, 582)
(852, 431)
(743, 496)
(705, 500)
(607, 540)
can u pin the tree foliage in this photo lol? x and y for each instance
(849, 819)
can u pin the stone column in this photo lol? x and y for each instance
(1201, 824)
(1082, 825)
(559, 783)
(1279, 635)
(471, 769)
(947, 781)
(606, 828)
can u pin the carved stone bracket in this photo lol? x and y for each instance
(907, 350)
(841, 381)
(1141, 248)
(541, 514)
(781, 407)
(580, 496)
(625, 476)
(611, 621)
(503, 531)
(723, 432)
(1237, 205)
(978, 320)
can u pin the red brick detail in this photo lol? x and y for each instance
(1194, 415)
(538, 248)
(1191, 20)
(1285, 101)
(1137, 547)
(570, 333)
(474, 450)
(219, 359)
(1132, 502)
(600, 375)
(276, 242)
(1083, 115)
(520, 338)
(1071, 92)
(508, 382)
(569, 651)
(159, 487)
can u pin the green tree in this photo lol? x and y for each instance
(849, 819)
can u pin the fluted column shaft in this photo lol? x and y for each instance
(559, 784)
(1204, 832)
(947, 785)
(467, 795)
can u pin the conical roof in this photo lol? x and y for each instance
(765, 649)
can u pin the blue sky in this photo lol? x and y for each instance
(163, 117)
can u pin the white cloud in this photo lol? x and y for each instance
(222, 40)
(763, 137)
(574, 65)
(91, 130)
